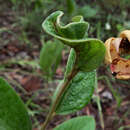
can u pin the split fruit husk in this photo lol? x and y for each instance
(116, 51)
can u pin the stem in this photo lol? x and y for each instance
(99, 106)
(55, 103)
(100, 112)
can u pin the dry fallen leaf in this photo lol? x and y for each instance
(30, 83)
(115, 49)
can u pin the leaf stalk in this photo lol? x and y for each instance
(64, 86)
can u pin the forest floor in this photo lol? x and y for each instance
(19, 65)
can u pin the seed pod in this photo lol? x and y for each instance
(115, 48)
(125, 34)
(108, 58)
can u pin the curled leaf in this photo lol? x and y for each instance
(89, 51)
(116, 49)
(71, 34)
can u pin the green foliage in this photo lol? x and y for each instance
(78, 93)
(50, 56)
(30, 13)
(71, 34)
(79, 123)
(70, 63)
(124, 127)
(114, 12)
(107, 18)
(71, 6)
(13, 114)
(88, 12)
(86, 55)
(89, 51)
(31, 22)
(91, 54)
(57, 91)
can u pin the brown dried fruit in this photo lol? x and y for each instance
(115, 47)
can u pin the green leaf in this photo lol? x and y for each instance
(78, 123)
(87, 11)
(57, 90)
(70, 63)
(78, 94)
(91, 55)
(13, 114)
(71, 34)
(71, 6)
(82, 84)
(50, 56)
(89, 51)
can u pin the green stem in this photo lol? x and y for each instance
(99, 105)
(100, 112)
(55, 103)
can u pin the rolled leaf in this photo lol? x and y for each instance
(89, 51)
(70, 63)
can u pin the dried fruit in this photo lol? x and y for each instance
(116, 50)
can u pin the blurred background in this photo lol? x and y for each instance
(26, 63)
